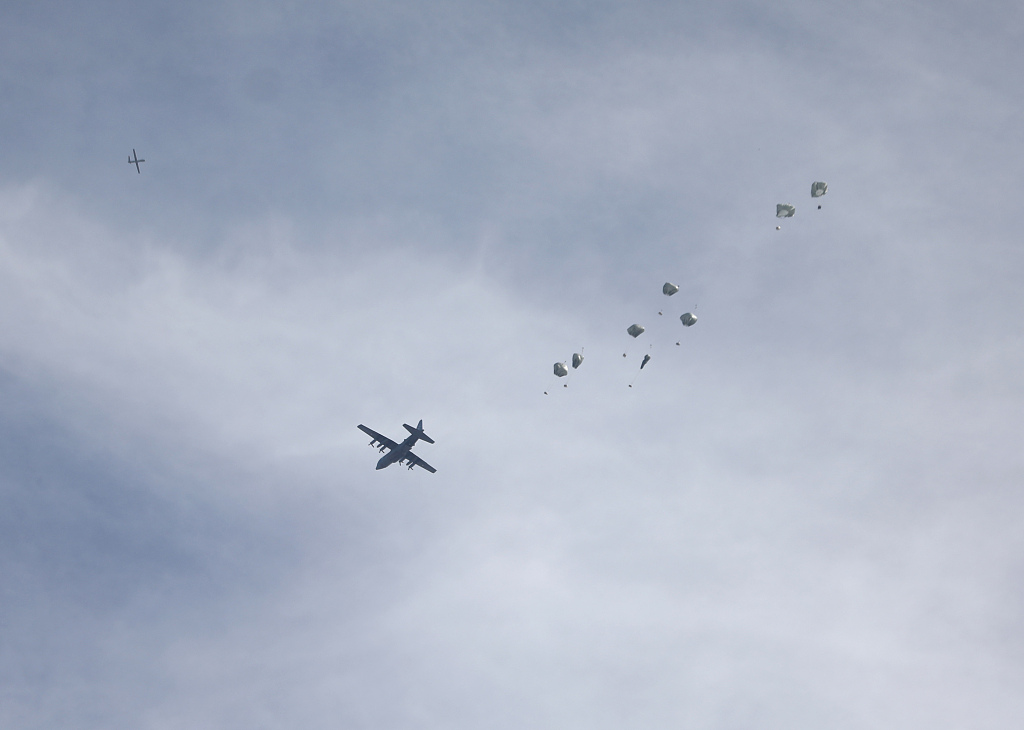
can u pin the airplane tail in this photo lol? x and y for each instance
(418, 431)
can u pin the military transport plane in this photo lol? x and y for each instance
(135, 162)
(402, 453)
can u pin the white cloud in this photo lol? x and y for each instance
(804, 515)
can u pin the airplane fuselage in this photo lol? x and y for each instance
(398, 454)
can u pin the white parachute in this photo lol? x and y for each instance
(784, 210)
(669, 289)
(689, 319)
(561, 370)
(818, 189)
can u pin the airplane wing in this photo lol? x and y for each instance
(417, 461)
(382, 440)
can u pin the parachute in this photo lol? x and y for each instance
(647, 359)
(784, 210)
(689, 319)
(577, 360)
(818, 189)
(635, 330)
(669, 289)
(561, 370)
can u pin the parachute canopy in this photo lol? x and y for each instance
(577, 360)
(561, 370)
(669, 289)
(647, 359)
(784, 210)
(635, 330)
(818, 189)
(689, 319)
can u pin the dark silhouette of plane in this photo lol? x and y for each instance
(135, 162)
(402, 453)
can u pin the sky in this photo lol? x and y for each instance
(808, 514)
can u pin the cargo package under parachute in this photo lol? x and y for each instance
(818, 189)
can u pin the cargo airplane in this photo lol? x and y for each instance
(402, 453)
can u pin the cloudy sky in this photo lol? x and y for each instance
(807, 515)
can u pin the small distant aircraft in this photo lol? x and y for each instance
(402, 453)
(135, 162)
